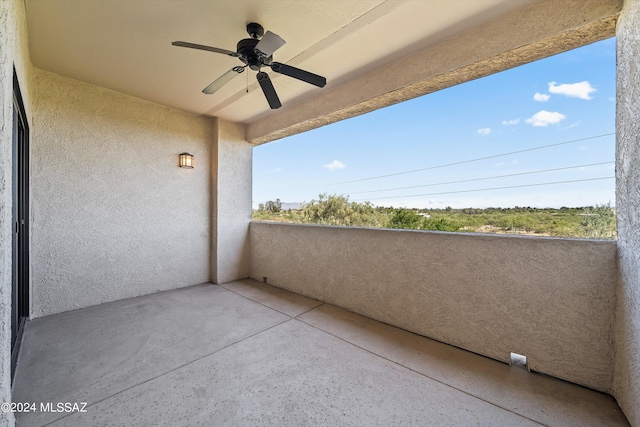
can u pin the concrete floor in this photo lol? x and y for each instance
(246, 354)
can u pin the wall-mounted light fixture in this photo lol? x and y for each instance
(186, 160)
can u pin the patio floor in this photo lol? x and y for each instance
(246, 353)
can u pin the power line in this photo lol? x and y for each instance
(489, 189)
(482, 179)
(474, 160)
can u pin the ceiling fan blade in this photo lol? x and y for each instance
(207, 48)
(299, 74)
(222, 80)
(269, 90)
(269, 43)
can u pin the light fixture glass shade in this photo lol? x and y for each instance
(186, 160)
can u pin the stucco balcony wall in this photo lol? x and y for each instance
(549, 299)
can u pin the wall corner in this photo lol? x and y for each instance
(627, 316)
(231, 182)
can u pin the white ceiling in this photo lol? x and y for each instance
(126, 45)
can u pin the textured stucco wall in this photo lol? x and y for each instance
(113, 214)
(7, 26)
(13, 52)
(549, 299)
(231, 198)
(627, 372)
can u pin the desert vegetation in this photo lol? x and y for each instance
(592, 222)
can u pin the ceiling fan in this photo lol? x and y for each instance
(255, 53)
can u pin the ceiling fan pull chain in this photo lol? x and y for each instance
(247, 82)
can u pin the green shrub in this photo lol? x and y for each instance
(440, 224)
(599, 222)
(407, 219)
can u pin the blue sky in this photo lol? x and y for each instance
(567, 97)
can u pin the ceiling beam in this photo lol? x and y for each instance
(534, 32)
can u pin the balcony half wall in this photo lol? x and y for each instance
(549, 299)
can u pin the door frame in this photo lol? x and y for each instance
(20, 286)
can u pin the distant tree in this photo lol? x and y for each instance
(261, 207)
(273, 207)
(337, 210)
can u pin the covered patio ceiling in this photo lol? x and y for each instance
(126, 46)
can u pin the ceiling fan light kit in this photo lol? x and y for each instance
(255, 53)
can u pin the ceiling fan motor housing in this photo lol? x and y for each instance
(246, 48)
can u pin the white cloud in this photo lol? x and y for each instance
(511, 122)
(580, 90)
(336, 164)
(484, 131)
(541, 97)
(545, 118)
